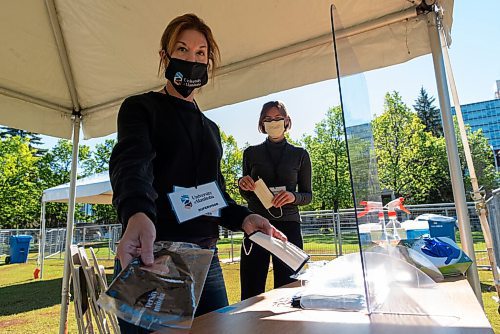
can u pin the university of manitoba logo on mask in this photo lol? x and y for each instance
(187, 203)
(178, 78)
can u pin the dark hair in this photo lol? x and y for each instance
(282, 110)
(188, 22)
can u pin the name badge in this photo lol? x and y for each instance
(277, 190)
(189, 203)
(215, 213)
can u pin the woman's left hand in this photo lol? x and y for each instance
(282, 198)
(255, 222)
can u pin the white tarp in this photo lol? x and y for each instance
(94, 189)
(112, 47)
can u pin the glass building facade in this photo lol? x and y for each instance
(362, 131)
(484, 115)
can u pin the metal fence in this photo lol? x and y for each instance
(5, 239)
(98, 236)
(493, 205)
(326, 234)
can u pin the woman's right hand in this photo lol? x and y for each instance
(246, 183)
(137, 240)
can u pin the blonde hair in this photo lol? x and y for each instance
(176, 27)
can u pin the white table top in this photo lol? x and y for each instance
(454, 309)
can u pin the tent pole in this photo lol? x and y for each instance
(63, 324)
(63, 52)
(457, 182)
(42, 241)
(35, 100)
(477, 195)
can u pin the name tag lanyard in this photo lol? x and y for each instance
(196, 153)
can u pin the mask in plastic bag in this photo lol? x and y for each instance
(339, 285)
(411, 256)
(443, 252)
(436, 248)
(164, 295)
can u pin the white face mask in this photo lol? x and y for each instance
(291, 255)
(275, 129)
(265, 196)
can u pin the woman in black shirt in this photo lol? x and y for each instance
(165, 143)
(286, 170)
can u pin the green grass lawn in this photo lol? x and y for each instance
(33, 306)
(29, 306)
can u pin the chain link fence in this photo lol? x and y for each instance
(326, 234)
(493, 206)
(103, 238)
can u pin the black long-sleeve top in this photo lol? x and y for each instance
(164, 142)
(279, 164)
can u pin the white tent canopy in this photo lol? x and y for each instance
(94, 189)
(63, 63)
(62, 57)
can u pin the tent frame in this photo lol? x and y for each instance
(76, 121)
(451, 143)
(63, 324)
(457, 182)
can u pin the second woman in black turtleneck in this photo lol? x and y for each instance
(286, 170)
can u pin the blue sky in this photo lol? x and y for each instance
(475, 57)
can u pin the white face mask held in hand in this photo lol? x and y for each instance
(291, 255)
(275, 129)
(265, 196)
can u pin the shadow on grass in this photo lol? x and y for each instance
(25, 297)
(487, 287)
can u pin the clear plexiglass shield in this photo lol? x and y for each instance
(385, 277)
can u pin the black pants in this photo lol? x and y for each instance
(254, 267)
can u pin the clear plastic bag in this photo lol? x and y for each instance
(164, 295)
(339, 285)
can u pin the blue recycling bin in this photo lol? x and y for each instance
(442, 226)
(416, 233)
(19, 248)
(365, 238)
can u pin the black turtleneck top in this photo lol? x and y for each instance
(279, 164)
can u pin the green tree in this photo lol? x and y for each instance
(440, 190)
(19, 190)
(363, 163)
(330, 174)
(428, 113)
(98, 162)
(34, 139)
(231, 165)
(410, 159)
(55, 169)
(482, 157)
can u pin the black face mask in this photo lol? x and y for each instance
(185, 75)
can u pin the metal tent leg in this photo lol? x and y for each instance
(69, 230)
(457, 182)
